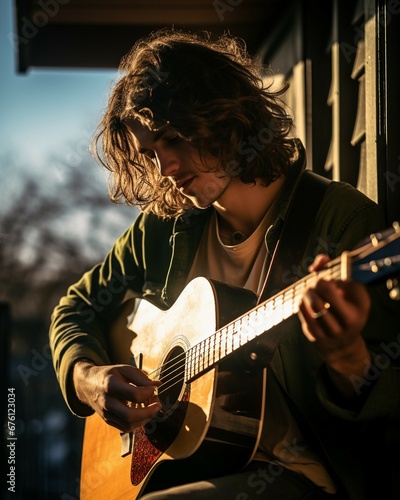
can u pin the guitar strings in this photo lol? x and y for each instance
(198, 358)
(193, 359)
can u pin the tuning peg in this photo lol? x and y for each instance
(393, 286)
(375, 239)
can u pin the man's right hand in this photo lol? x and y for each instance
(121, 394)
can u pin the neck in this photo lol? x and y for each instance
(243, 206)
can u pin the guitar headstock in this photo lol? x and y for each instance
(379, 260)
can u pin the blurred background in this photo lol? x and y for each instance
(58, 60)
(56, 221)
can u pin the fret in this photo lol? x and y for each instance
(235, 339)
(276, 313)
(194, 359)
(255, 323)
(262, 323)
(189, 364)
(218, 343)
(299, 290)
(269, 315)
(228, 339)
(206, 352)
(244, 329)
(278, 309)
(199, 355)
(212, 350)
(288, 298)
(234, 335)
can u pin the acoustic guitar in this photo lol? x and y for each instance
(205, 350)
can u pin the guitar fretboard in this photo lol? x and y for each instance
(213, 349)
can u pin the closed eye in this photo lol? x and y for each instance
(148, 152)
(172, 139)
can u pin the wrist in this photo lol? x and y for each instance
(79, 375)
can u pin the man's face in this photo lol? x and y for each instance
(199, 179)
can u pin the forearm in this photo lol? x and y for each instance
(81, 324)
(80, 373)
(72, 339)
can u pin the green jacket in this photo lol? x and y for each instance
(152, 259)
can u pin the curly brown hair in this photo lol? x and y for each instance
(210, 93)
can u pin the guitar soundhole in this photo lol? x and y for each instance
(172, 378)
(173, 395)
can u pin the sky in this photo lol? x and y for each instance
(45, 112)
(47, 120)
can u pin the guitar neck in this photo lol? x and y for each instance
(259, 320)
(369, 263)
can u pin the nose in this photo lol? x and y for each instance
(168, 163)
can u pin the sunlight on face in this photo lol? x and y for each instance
(196, 176)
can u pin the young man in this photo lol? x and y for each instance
(193, 138)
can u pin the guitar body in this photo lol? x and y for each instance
(210, 423)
